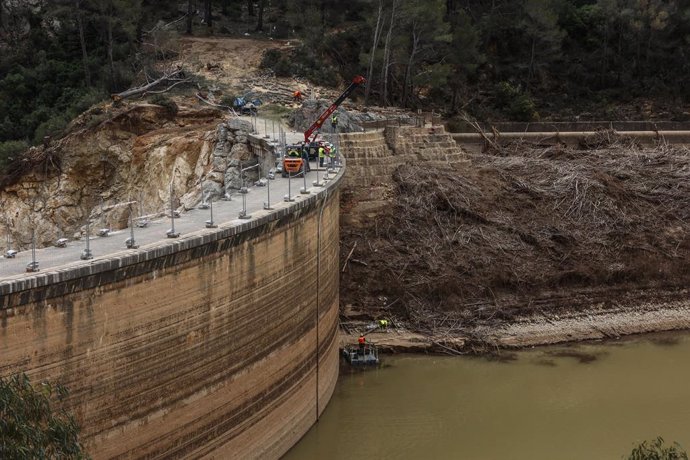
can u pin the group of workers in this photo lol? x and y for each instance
(326, 150)
(382, 324)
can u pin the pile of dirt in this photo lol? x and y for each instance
(525, 229)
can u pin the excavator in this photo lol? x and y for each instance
(293, 164)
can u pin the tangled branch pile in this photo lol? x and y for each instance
(523, 225)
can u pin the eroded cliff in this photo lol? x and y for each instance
(112, 156)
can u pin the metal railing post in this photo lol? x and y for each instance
(130, 243)
(210, 223)
(304, 190)
(289, 197)
(172, 233)
(244, 191)
(33, 266)
(267, 203)
(86, 253)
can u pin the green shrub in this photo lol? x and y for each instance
(53, 127)
(33, 425)
(517, 104)
(227, 100)
(655, 450)
(164, 101)
(87, 99)
(9, 151)
(278, 62)
(523, 109)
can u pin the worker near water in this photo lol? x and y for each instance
(297, 96)
(362, 341)
(322, 155)
(334, 121)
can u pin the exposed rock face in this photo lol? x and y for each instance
(349, 120)
(137, 154)
(302, 118)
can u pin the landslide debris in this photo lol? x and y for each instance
(524, 229)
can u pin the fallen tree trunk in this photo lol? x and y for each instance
(176, 76)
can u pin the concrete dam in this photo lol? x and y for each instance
(222, 343)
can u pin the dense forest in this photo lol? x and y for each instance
(499, 59)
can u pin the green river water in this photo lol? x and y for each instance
(586, 401)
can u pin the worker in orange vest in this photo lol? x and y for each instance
(361, 341)
(297, 96)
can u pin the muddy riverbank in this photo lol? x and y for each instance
(670, 312)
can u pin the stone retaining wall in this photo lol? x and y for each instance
(204, 346)
(373, 156)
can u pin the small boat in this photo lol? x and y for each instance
(361, 355)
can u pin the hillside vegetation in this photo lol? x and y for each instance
(521, 60)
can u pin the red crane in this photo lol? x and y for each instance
(313, 129)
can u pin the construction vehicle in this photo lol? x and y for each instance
(293, 161)
(314, 128)
(245, 106)
(292, 164)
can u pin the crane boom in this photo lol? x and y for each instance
(358, 80)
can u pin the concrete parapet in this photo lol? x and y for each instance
(219, 344)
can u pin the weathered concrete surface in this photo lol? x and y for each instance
(201, 347)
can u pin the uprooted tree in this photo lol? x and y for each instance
(172, 78)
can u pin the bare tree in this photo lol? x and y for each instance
(374, 45)
(208, 17)
(387, 55)
(190, 15)
(260, 22)
(407, 86)
(82, 41)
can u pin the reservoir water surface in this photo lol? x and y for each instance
(586, 401)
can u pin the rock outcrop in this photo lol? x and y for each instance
(116, 161)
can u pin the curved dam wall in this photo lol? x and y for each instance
(220, 344)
